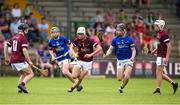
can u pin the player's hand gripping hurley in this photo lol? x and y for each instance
(44, 72)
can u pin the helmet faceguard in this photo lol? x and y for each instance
(23, 28)
(121, 29)
(81, 32)
(55, 32)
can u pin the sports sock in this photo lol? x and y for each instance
(23, 83)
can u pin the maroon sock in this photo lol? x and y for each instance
(23, 83)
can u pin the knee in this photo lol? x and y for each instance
(159, 73)
(31, 74)
(65, 72)
(74, 77)
(119, 78)
(126, 77)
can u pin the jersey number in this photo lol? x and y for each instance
(14, 48)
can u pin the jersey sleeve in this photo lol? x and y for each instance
(166, 38)
(24, 43)
(66, 40)
(113, 43)
(93, 43)
(132, 45)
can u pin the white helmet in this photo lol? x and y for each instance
(160, 24)
(81, 30)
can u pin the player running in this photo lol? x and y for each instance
(125, 52)
(20, 59)
(85, 53)
(163, 52)
(59, 51)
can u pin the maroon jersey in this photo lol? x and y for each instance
(17, 43)
(163, 38)
(84, 47)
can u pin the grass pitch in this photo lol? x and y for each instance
(96, 91)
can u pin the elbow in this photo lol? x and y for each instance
(135, 51)
(169, 47)
(24, 49)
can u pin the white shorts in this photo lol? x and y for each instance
(19, 66)
(60, 63)
(84, 65)
(121, 64)
(159, 61)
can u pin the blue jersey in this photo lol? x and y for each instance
(59, 47)
(123, 47)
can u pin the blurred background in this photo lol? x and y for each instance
(100, 18)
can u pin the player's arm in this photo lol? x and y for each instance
(169, 48)
(154, 51)
(72, 51)
(6, 54)
(98, 48)
(109, 51)
(26, 54)
(133, 53)
(166, 40)
(133, 49)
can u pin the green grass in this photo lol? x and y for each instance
(96, 91)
